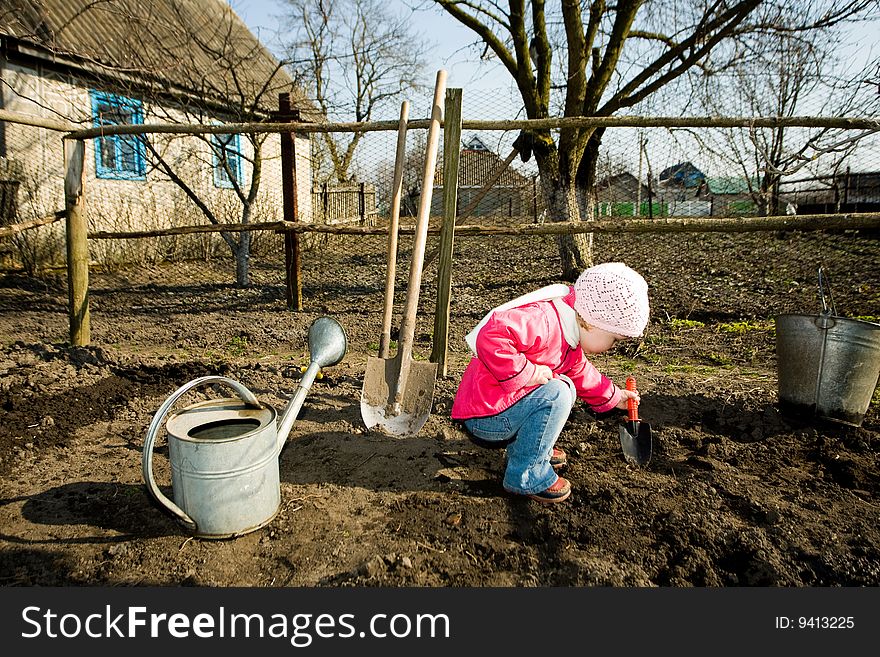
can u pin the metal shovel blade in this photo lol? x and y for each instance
(378, 407)
(635, 435)
(635, 441)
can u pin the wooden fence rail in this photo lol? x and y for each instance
(805, 222)
(12, 229)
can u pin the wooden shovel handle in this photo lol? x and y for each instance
(391, 272)
(408, 321)
(632, 406)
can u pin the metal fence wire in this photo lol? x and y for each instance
(646, 172)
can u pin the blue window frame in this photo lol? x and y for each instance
(227, 160)
(120, 157)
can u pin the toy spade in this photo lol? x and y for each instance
(635, 435)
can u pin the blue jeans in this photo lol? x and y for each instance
(529, 428)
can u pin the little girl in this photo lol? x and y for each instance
(529, 367)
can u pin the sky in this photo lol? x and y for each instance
(447, 43)
(488, 92)
(442, 37)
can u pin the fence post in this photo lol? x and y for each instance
(451, 155)
(292, 272)
(77, 242)
(535, 198)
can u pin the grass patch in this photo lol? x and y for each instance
(684, 324)
(722, 360)
(237, 346)
(746, 327)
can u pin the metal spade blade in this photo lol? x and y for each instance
(400, 413)
(635, 435)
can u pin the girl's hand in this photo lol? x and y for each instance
(541, 376)
(626, 395)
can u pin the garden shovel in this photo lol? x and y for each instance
(398, 392)
(390, 270)
(635, 435)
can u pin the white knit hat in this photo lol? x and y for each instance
(613, 297)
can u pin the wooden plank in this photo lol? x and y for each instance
(804, 222)
(6, 231)
(292, 277)
(451, 156)
(36, 121)
(846, 123)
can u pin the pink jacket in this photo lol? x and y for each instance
(510, 346)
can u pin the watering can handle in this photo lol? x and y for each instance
(147, 458)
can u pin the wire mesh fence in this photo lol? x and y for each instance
(648, 172)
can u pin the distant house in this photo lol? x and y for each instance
(128, 62)
(622, 195)
(621, 186)
(679, 181)
(729, 196)
(845, 192)
(512, 195)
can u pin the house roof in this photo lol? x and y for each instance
(477, 164)
(683, 173)
(622, 178)
(175, 48)
(731, 185)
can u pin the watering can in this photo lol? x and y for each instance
(224, 452)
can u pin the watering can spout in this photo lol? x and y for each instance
(327, 346)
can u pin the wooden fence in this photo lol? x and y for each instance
(344, 204)
(357, 204)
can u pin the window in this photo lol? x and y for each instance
(227, 160)
(118, 156)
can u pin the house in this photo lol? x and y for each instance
(678, 182)
(845, 192)
(512, 195)
(729, 196)
(621, 195)
(144, 61)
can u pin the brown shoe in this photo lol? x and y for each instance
(556, 493)
(558, 459)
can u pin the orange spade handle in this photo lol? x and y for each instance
(632, 406)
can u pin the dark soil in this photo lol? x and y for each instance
(737, 493)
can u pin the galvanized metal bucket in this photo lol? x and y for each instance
(827, 366)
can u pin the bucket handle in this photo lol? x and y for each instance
(826, 309)
(147, 458)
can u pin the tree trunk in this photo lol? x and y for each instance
(575, 251)
(242, 260)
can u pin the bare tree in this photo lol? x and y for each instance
(779, 73)
(358, 58)
(242, 96)
(599, 59)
